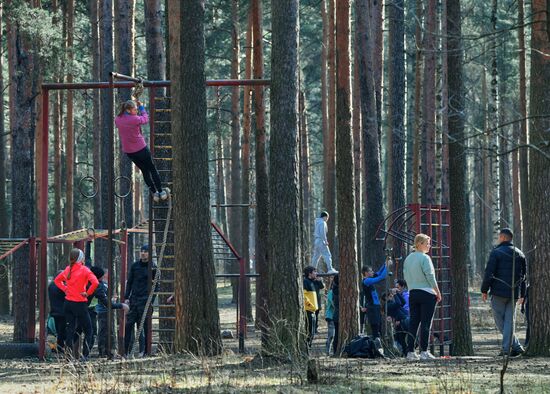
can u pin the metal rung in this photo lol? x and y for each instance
(163, 158)
(163, 110)
(163, 146)
(163, 317)
(166, 268)
(166, 305)
(163, 329)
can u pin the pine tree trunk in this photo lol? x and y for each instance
(396, 143)
(247, 126)
(492, 131)
(349, 271)
(22, 124)
(284, 279)
(93, 6)
(221, 217)
(329, 139)
(262, 189)
(357, 151)
(235, 225)
(462, 335)
(539, 185)
(417, 103)
(197, 319)
(374, 211)
(428, 194)
(305, 176)
(70, 141)
(154, 41)
(444, 106)
(523, 139)
(125, 53)
(4, 221)
(107, 64)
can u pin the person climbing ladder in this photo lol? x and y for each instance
(128, 122)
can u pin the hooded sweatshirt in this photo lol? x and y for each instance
(129, 130)
(320, 232)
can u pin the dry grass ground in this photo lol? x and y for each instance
(231, 372)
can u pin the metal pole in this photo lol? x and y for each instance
(43, 205)
(31, 330)
(148, 322)
(242, 304)
(123, 274)
(110, 208)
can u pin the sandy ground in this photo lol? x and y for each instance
(232, 372)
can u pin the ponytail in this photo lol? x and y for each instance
(125, 106)
(75, 256)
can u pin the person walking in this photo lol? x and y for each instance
(505, 279)
(320, 243)
(424, 294)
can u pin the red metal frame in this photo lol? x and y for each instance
(43, 175)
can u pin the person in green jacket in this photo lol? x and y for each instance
(424, 294)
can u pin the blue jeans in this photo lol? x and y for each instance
(504, 310)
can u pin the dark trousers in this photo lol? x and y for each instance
(310, 325)
(144, 161)
(363, 321)
(102, 335)
(134, 318)
(422, 308)
(375, 319)
(60, 327)
(76, 313)
(402, 335)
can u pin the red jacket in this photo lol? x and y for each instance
(80, 276)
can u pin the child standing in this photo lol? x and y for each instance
(332, 315)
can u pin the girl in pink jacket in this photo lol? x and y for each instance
(128, 123)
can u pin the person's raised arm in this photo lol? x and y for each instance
(382, 275)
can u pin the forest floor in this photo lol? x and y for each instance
(232, 372)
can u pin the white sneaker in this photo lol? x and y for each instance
(427, 356)
(332, 271)
(156, 196)
(412, 356)
(163, 195)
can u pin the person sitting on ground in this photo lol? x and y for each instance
(372, 301)
(128, 122)
(320, 243)
(73, 281)
(311, 304)
(101, 311)
(57, 301)
(395, 306)
(332, 315)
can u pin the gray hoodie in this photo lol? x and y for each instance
(320, 232)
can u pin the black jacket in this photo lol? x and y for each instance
(136, 285)
(318, 286)
(102, 300)
(498, 273)
(57, 300)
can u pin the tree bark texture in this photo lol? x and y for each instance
(235, 216)
(525, 241)
(462, 335)
(154, 41)
(22, 103)
(357, 151)
(305, 176)
(197, 319)
(125, 53)
(417, 102)
(262, 188)
(428, 195)
(107, 64)
(70, 141)
(4, 220)
(444, 78)
(329, 138)
(373, 252)
(284, 279)
(539, 185)
(396, 146)
(345, 183)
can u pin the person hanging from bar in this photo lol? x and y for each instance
(129, 120)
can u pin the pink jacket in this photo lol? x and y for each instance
(129, 130)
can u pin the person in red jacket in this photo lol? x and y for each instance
(73, 281)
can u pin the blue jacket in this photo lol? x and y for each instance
(396, 308)
(101, 295)
(369, 291)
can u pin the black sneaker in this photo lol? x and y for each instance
(517, 352)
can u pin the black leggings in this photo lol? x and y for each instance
(422, 308)
(77, 312)
(143, 160)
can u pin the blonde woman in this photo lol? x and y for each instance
(424, 294)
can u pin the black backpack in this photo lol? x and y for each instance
(362, 347)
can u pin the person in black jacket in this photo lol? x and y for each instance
(57, 300)
(504, 278)
(136, 296)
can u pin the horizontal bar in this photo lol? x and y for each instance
(236, 275)
(129, 84)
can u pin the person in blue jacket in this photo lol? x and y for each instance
(371, 300)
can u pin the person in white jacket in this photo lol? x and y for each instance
(320, 243)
